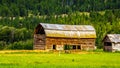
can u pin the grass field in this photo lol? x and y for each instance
(36, 59)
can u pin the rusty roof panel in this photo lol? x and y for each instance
(114, 37)
(70, 34)
(67, 27)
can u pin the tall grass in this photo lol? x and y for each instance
(54, 60)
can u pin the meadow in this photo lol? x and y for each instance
(38, 59)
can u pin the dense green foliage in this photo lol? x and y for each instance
(18, 18)
(25, 59)
(48, 7)
(28, 45)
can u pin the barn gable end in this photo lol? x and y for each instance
(39, 38)
(106, 39)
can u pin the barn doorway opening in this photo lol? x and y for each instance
(54, 47)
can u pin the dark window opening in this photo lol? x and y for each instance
(71, 47)
(74, 47)
(78, 47)
(107, 43)
(67, 47)
(54, 46)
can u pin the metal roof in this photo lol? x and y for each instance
(69, 31)
(67, 27)
(114, 37)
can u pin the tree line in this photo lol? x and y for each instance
(13, 8)
(17, 27)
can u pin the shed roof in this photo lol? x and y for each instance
(114, 37)
(69, 31)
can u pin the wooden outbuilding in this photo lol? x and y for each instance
(64, 37)
(111, 42)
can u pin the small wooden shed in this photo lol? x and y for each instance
(111, 42)
(64, 37)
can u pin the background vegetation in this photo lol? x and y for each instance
(18, 18)
(34, 59)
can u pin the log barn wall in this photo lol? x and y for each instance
(56, 36)
(84, 43)
(39, 42)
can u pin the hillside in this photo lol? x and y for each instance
(18, 18)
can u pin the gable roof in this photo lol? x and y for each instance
(114, 37)
(69, 31)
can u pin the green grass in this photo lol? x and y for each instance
(54, 60)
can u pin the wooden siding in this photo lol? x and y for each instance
(84, 43)
(108, 48)
(39, 41)
(70, 41)
(116, 47)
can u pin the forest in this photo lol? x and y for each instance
(18, 18)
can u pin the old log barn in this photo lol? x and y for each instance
(64, 37)
(111, 42)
